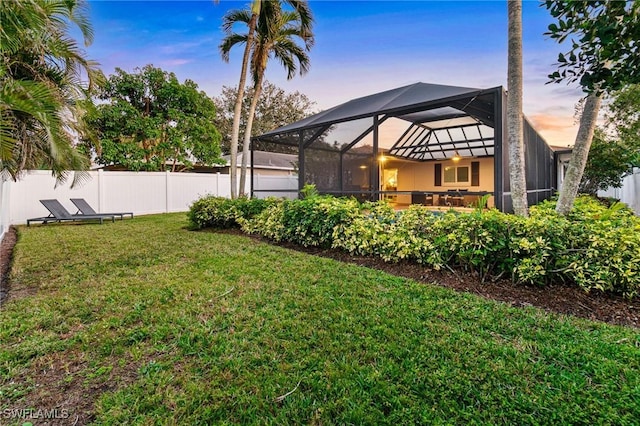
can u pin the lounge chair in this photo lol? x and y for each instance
(57, 213)
(85, 209)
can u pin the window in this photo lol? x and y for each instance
(453, 174)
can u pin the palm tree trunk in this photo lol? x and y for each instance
(515, 140)
(569, 189)
(237, 109)
(257, 90)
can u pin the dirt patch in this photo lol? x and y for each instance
(6, 256)
(62, 386)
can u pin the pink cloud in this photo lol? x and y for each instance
(557, 130)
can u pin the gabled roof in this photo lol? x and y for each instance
(398, 102)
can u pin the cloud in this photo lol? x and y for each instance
(559, 130)
(202, 43)
(176, 62)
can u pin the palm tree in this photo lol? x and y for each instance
(41, 73)
(275, 33)
(235, 16)
(515, 139)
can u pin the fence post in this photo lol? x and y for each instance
(217, 184)
(101, 206)
(167, 190)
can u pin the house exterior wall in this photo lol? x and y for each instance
(267, 172)
(261, 171)
(562, 163)
(421, 177)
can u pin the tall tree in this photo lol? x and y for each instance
(275, 108)
(276, 33)
(604, 56)
(227, 24)
(41, 72)
(615, 150)
(150, 121)
(623, 119)
(610, 160)
(515, 138)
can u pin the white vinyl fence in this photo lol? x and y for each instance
(137, 192)
(629, 193)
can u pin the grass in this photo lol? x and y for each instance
(145, 322)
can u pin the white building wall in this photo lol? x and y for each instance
(263, 183)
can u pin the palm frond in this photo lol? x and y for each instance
(233, 17)
(228, 42)
(41, 83)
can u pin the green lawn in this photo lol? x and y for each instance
(145, 322)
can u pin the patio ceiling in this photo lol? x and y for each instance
(460, 137)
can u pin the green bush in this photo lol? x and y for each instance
(372, 233)
(219, 212)
(595, 247)
(308, 222)
(268, 223)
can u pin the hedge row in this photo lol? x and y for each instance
(219, 212)
(595, 247)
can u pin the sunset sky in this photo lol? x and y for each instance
(361, 47)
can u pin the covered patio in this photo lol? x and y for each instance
(419, 144)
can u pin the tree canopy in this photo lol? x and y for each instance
(275, 108)
(150, 121)
(616, 145)
(603, 58)
(623, 118)
(604, 34)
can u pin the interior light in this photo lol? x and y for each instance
(456, 156)
(363, 167)
(382, 158)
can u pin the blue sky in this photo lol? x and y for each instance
(361, 47)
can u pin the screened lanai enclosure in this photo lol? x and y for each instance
(424, 143)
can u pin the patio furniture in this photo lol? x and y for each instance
(57, 213)
(456, 198)
(85, 209)
(421, 198)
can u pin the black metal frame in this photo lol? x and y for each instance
(420, 142)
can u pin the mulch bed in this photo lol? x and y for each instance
(559, 298)
(6, 251)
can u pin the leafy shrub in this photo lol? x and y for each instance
(595, 246)
(269, 223)
(308, 222)
(219, 212)
(372, 233)
(308, 191)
